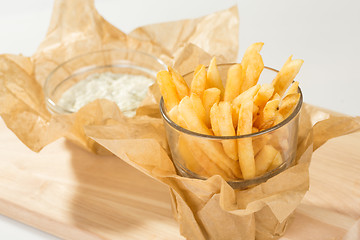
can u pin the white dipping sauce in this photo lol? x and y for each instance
(126, 90)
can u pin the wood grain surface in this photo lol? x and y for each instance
(73, 194)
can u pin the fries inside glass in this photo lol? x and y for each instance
(244, 130)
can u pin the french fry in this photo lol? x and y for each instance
(176, 117)
(288, 104)
(286, 75)
(215, 152)
(212, 156)
(277, 161)
(180, 84)
(205, 162)
(233, 82)
(235, 115)
(293, 88)
(198, 83)
(191, 118)
(264, 159)
(263, 95)
(259, 142)
(270, 109)
(278, 118)
(210, 97)
(280, 140)
(197, 69)
(249, 53)
(255, 111)
(167, 89)
(244, 96)
(252, 65)
(213, 77)
(245, 148)
(276, 96)
(226, 128)
(199, 108)
(267, 115)
(190, 161)
(214, 112)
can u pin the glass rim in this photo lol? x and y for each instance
(48, 99)
(260, 133)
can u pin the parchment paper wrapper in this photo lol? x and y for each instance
(211, 209)
(204, 209)
(77, 28)
(354, 231)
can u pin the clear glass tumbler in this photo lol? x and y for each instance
(200, 156)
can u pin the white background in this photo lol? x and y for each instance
(325, 34)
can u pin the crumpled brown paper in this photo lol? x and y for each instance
(211, 209)
(354, 231)
(76, 28)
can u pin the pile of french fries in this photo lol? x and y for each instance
(240, 107)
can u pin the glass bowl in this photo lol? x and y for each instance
(188, 148)
(113, 62)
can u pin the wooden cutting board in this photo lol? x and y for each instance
(72, 194)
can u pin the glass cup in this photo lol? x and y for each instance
(117, 61)
(200, 156)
